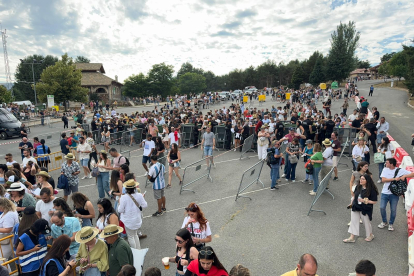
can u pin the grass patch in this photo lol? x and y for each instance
(397, 84)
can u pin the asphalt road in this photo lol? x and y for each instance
(269, 232)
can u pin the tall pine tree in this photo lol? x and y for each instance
(318, 75)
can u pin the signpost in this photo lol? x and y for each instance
(50, 101)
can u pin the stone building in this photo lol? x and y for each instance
(94, 79)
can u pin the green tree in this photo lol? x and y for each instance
(5, 95)
(399, 71)
(341, 59)
(250, 77)
(63, 81)
(363, 64)
(188, 68)
(297, 77)
(136, 86)
(236, 79)
(160, 79)
(409, 78)
(318, 75)
(267, 74)
(211, 80)
(387, 57)
(23, 88)
(82, 59)
(309, 65)
(192, 83)
(384, 70)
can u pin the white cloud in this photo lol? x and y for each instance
(128, 37)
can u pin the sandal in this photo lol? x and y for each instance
(168, 186)
(349, 240)
(181, 182)
(370, 238)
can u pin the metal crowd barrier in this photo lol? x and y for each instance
(54, 160)
(187, 135)
(14, 258)
(249, 177)
(321, 189)
(247, 145)
(194, 172)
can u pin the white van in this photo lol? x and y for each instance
(27, 103)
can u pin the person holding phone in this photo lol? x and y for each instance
(196, 223)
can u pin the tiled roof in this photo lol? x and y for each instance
(360, 71)
(95, 78)
(95, 67)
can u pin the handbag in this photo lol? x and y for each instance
(358, 158)
(95, 172)
(6, 241)
(293, 159)
(379, 157)
(135, 201)
(398, 187)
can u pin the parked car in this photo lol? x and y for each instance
(9, 125)
(236, 93)
(224, 95)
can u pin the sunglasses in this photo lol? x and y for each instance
(206, 252)
(180, 242)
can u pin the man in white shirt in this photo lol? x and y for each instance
(382, 127)
(84, 149)
(171, 136)
(9, 160)
(44, 207)
(27, 158)
(353, 116)
(388, 175)
(149, 147)
(327, 159)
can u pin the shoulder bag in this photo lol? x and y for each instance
(152, 179)
(135, 201)
(379, 157)
(398, 187)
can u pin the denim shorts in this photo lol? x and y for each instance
(208, 150)
(84, 162)
(145, 159)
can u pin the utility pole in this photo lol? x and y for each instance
(34, 61)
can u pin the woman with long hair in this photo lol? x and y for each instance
(206, 264)
(43, 182)
(366, 195)
(106, 138)
(83, 208)
(8, 219)
(165, 138)
(54, 263)
(104, 165)
(30, 172)
(28, 218)
(196, 223)
(106, 215)
(174, 158)
(388, 150)
(359, 151)
(185, 251)
(42, 151)
(60, 204)
(123, 170)
(292, 149)
(262, 142)
(116, 187)
(159, 150)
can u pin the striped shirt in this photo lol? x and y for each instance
(159, 183)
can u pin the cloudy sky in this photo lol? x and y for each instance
(128, 36)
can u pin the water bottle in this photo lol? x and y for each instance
(359, 196)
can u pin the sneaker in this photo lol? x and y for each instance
(274, 188)
(90, 175)
(390, 227)
(283, 175)
(146, 173)
(287, 179)
(214, 165)
(310, 182)
(305, 180)
(84, 177)
(312, 193)
(382, 225)
(379, 181)
(157, 214)
(293, 181)
(164, 209)
(335, 178)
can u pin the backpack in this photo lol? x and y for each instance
(126, 159)
(70, 141)
(270, 158)
(399, 187)
(309, 168)
(63, 182)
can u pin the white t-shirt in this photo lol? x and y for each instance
(328, 154)
(172, 138)
(148, 146)
(352, 117)
(387, 173)
(9, 164)
(198, 233)
(84, 147)
(44, 209)
(26, 160)
(9, 220)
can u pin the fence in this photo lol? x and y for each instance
(51, 161)
(187, 135)
(247, 145)
(249, 177)
(162, 160)
(194, 172)
(346, 136)
(14, 259)
(320, 191)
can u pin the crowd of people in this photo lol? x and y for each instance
(283, 134)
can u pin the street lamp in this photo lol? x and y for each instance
(34, 61)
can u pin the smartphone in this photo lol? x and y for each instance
(144, 193)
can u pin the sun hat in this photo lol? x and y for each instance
(69, 156)
(15, 187)
(130, 184)
(110, 230)
(44, 174)
(86, 234)
(326, 142)
(103, 151)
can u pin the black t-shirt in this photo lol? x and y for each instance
(356, 123)
(306, 123)
(294, 119)
(159, 147)
(330, 126)
(246, 131)
(93, 126)
(371, 128)
(376, 115)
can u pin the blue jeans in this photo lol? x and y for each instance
(380, 168)
(393, 199)
(274, 174)
(315, 176)
(291, 171)
(380, 136)
(103, 184)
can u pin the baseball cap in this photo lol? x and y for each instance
(292, 129)
(41, 226)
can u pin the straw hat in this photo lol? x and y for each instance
(326, 142)
(110, 230)
(69, 156)
(103, 151)
(15, 187)
(44, 174)
(130, 184)
(86, 234)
